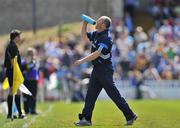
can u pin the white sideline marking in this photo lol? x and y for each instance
(26, 125)
(49, 110)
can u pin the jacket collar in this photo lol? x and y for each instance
(103, 32)
(12, 42)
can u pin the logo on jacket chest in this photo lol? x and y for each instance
(95, 43)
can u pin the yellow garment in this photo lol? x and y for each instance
(5, 84)
(18, 78)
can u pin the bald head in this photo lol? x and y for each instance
(107, 21)
(103, 23)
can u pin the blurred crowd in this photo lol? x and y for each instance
(164, 9)
(137, 55)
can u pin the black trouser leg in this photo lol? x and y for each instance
(32, 99)
(93, 91)
(18, 103)
(9, 74)
(108, 84)
(27, 97)
(121, 103)
(26, 104)
(9, 102)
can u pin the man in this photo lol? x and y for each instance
(102, 74)
(31, 74)
(10, 53)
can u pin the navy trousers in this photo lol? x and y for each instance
(30, 101)
(102, 77)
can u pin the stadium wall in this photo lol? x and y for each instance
(18, 13)
(149, 89)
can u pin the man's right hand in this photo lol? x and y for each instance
(85, 22)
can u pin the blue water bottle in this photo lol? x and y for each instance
(88, 19)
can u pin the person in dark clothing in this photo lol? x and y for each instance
(10, 53)
(102, 74)
(31, 74)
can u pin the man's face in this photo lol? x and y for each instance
(18, 39)
(99, 24)
(30, 55)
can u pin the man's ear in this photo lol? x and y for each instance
(104, 26)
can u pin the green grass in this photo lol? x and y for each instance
(152, 114)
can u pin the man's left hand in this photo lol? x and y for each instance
(78, 62)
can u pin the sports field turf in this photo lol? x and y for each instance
(152, 114)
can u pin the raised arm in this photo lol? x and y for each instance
(84, 30)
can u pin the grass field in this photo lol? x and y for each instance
(152, 114)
